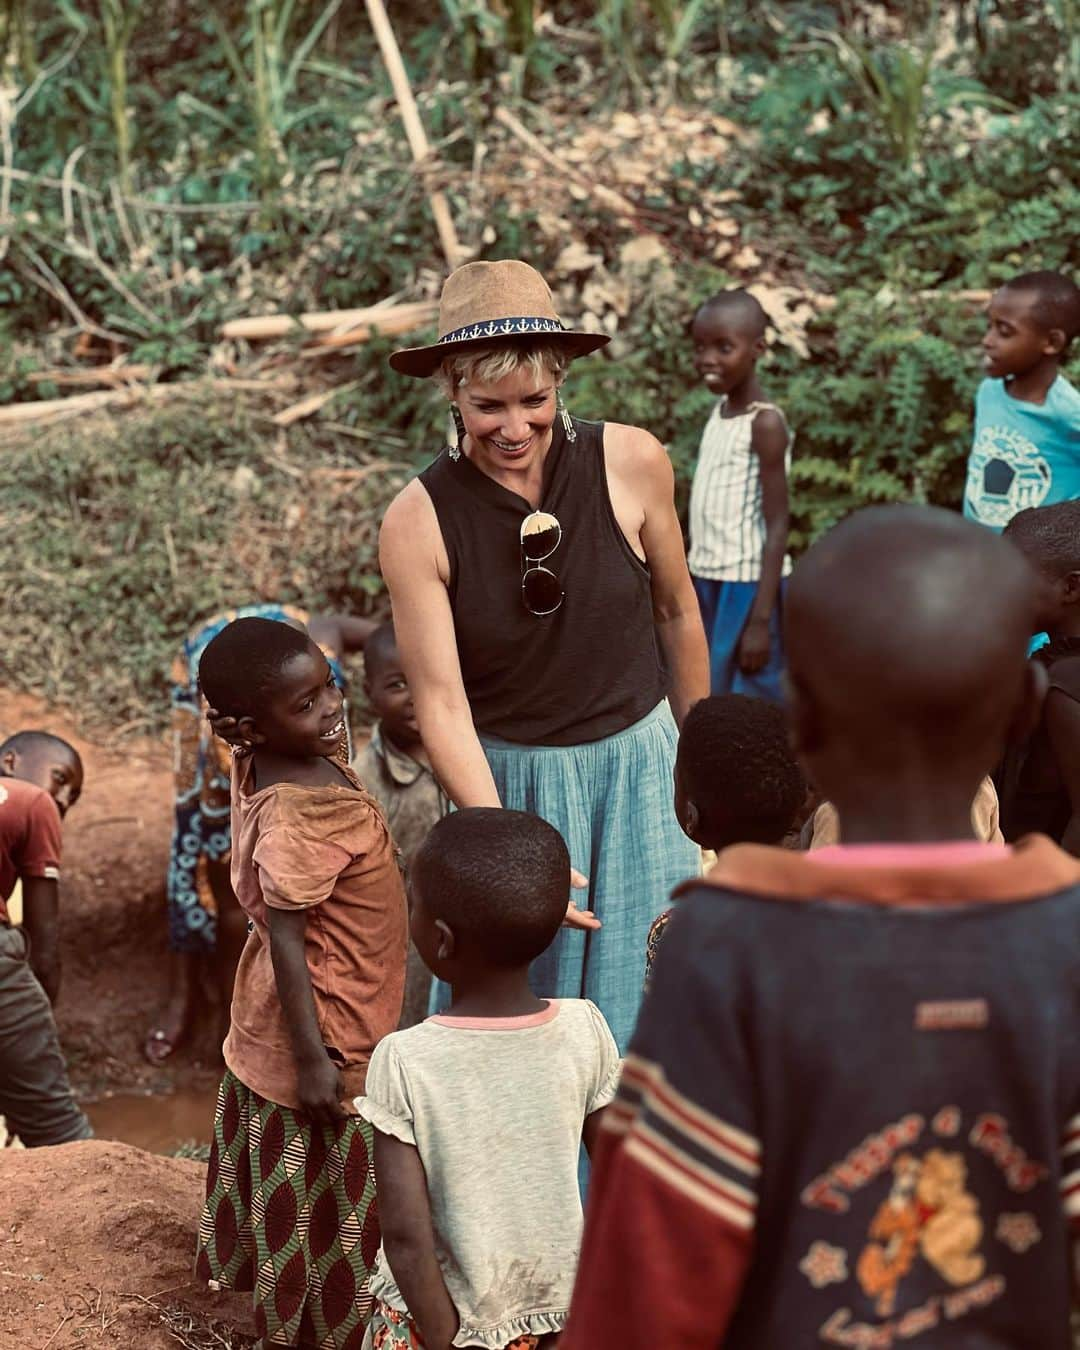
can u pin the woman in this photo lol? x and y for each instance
(544, 610)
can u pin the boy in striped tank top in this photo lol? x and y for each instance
(739, 501)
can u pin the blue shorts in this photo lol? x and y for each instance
(725, 608)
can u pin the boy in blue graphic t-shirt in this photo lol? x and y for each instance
(1027, 414)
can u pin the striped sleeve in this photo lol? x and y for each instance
(1070, 1174)
(673, 1197)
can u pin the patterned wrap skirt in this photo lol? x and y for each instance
(290, 1213)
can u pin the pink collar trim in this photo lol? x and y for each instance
(537, 1019)
(952, 853)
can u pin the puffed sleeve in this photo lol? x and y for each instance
(386, 1104)
(608, 1063)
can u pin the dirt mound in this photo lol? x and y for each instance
(96, 1248)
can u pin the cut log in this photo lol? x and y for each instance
(114, 377)
(389, 319)
(48, 410)
(295, 412)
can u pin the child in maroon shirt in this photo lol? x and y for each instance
(850, 1114)
(41, 777)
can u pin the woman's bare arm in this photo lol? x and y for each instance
(414, 565)
(644, 473)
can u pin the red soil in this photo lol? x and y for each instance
(97, 1241)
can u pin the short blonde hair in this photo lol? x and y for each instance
(488, 365)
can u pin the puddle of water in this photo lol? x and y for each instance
(159, 1124)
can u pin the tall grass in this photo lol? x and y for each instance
(267, 61)
(900, 83)
(118, 20)
(121, 533)
(17, 37)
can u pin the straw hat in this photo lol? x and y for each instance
(488, 303)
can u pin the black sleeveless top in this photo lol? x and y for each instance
(590, 669)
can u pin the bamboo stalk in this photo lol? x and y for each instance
(414, 128)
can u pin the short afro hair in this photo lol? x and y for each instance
(499, 879)
(1048, 536)
(241, 665)
(378, 645)
(1057, 300)
(740, 305)
(737, 768)
(38, 743)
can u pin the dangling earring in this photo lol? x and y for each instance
(567, 420)
(459, 432)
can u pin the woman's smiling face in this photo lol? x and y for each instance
(509, 421)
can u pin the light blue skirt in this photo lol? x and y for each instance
(611, 800)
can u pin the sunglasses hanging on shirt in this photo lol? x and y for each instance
(541, 535)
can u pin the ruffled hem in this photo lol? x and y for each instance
(385, 1121)
(497, 1338)
(543, 1323)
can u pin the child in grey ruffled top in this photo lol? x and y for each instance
(479, 1113)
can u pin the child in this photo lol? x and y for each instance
(207, 928)
(290, 1194)
(736, 780)
(1040, 775)
(739, 501)
(395, 769)
(1027, 414)
(41, 777)
(480, 1112)
(849, 1113)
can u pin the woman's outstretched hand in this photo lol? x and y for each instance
(579, 918)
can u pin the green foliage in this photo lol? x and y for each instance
(118, 22)
(178, 164)
(883, 413)
(193, 1149)
(899, 84)
(270, 75)
(134, 529)
(1024, 51)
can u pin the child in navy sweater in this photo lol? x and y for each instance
(850, 1114)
